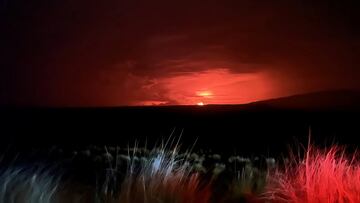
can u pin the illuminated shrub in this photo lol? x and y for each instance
(322, 176)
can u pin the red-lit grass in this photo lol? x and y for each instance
(322, 176)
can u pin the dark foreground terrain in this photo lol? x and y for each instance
(266, 128)
(214, 153)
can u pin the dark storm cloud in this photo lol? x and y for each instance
(118, 52)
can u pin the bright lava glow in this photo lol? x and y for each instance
(200, 103)
(215, 86)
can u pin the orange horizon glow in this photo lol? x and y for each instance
(215, 86)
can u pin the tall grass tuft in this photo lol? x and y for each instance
(20, 185)
(322, 176)
(248, 183)
(164, 176)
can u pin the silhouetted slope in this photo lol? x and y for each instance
(326, 100)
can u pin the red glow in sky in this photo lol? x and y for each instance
(121, 53)
(216, 86)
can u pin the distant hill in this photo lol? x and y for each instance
(338, 100)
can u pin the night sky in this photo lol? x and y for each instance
(114, 53)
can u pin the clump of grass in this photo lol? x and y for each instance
(165, 176)
(249, 181)
(322, 176)
(20, 185)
